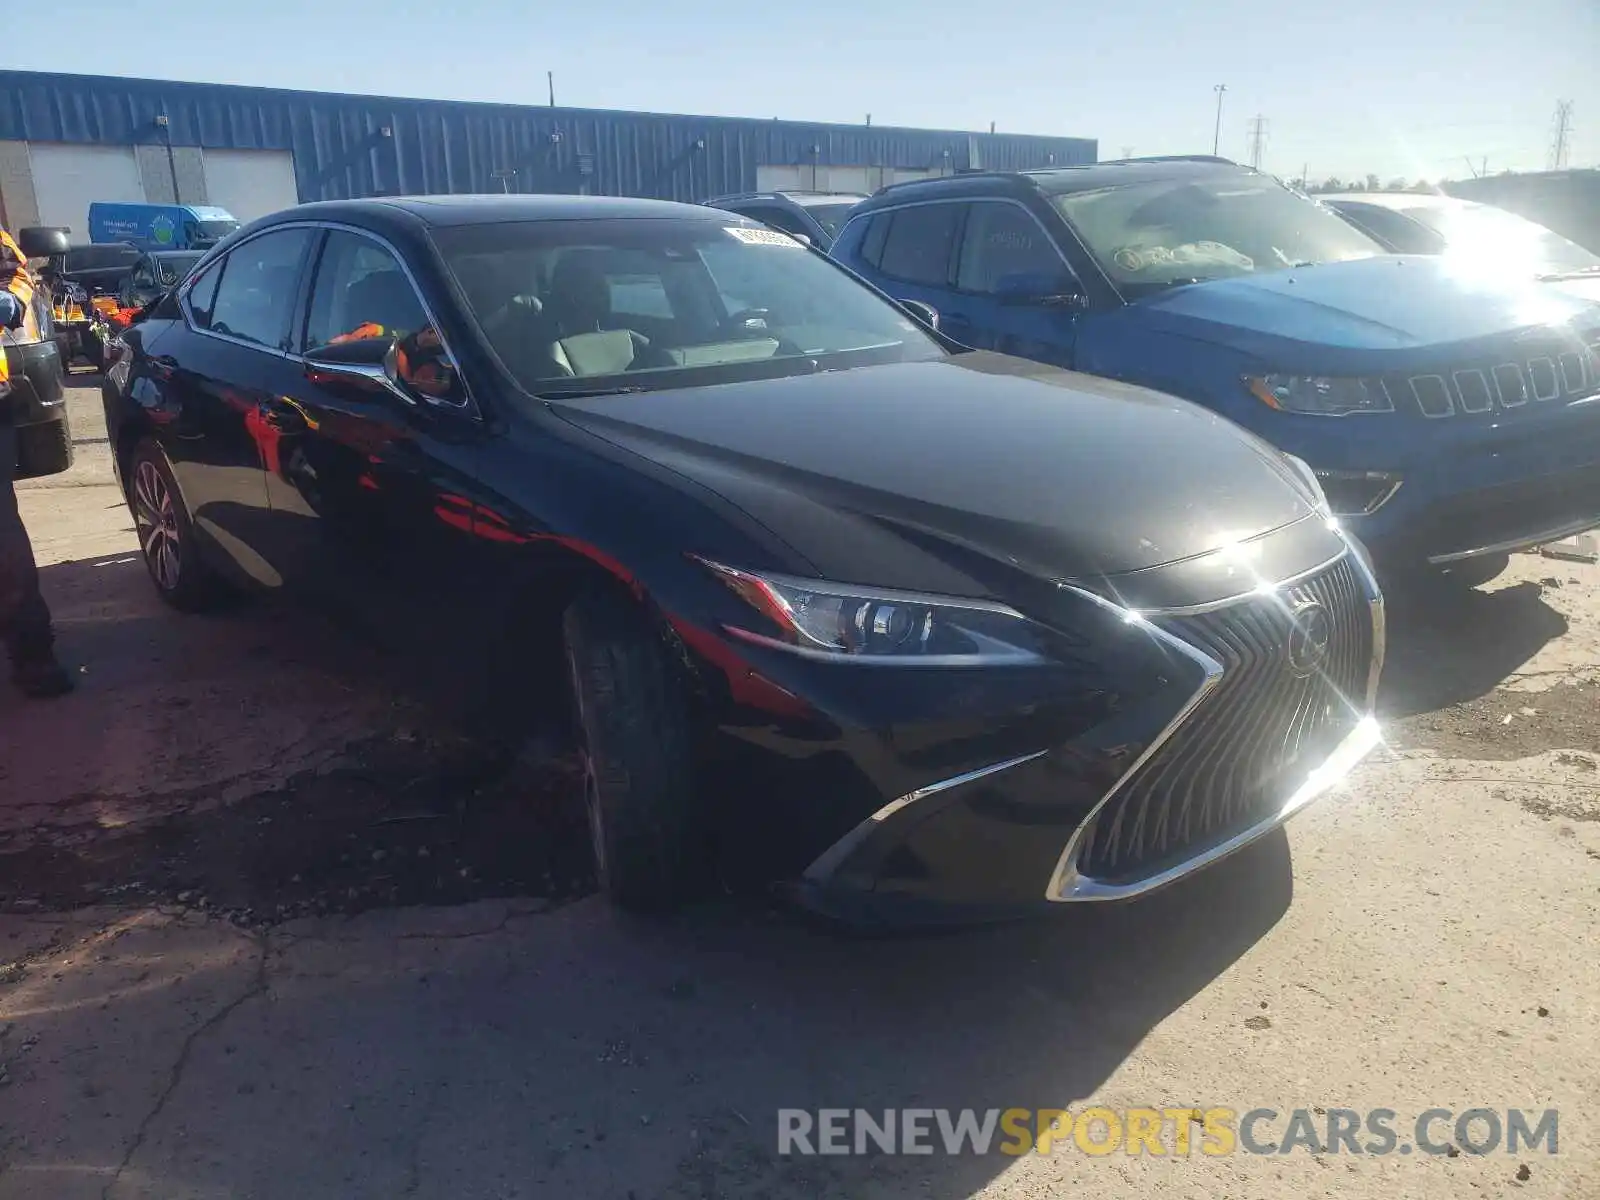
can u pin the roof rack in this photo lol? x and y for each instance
(1161, 158)
(906, 183)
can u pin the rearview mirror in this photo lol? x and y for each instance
(927, 314)
(43, 241)
(1040, 287)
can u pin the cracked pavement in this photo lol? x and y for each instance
(1422, 939)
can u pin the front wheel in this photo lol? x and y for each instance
(166, 533)
(636, 744)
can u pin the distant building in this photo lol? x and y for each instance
(1565, 201)
(67, 140)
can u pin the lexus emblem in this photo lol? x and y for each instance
(1310, 629)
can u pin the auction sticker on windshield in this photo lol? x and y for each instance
(762, 237)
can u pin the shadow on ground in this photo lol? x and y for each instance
(1452, 645)
(456, 1052)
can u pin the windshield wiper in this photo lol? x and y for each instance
(586, 393)
(1580, 273)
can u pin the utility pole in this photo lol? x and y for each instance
(550, 77)
(1563, 135)
(1216, 138)
(1258, 139)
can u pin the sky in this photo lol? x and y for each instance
(1397, 88)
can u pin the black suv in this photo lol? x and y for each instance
(815, 216)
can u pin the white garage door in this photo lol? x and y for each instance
(67, 179)
(250, 183)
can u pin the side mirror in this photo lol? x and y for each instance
(43, 241)
(1050, 288)
(927, 314)
(412, 368)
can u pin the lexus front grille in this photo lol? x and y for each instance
(1296, 667)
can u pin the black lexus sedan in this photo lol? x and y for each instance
(925, 632)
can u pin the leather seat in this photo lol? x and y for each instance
(578, 301)
(384, 298)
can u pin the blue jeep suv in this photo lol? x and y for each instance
(1449, 419)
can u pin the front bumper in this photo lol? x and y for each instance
(1493, 520)
(36, 371)
(1148, 794)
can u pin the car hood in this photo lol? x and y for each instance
(1384, 307)
(877, 474)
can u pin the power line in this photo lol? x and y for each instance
(1563, 135)
(1258, 139)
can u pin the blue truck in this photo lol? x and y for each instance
(160, 226)
(1449, 420)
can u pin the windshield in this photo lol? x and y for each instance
(170, 268)
(1487, 233)
(100, 258)
(1158, 234)
(830, 216)
(584, 306)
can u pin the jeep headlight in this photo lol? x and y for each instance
(1320, 395)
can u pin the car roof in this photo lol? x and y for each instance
(803, 199)
(1056, 181)
(446, 210)
(1399, 200)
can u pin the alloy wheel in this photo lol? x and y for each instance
(156, 518)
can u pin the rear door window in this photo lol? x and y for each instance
(1003, 240)
(256, 294)
(921, 242)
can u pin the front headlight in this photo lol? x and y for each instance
(1320, 395)
(855, 623)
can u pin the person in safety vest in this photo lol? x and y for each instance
(24, 618)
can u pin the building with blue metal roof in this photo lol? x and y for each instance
(68, 140)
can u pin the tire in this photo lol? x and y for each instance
(43, 449)
(166, 534)
(636, 742)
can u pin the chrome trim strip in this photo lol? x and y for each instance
(1444, 386)
(1358, 743)
(1067, 885)
(843, 658)
(1522, 385)
(1066, 872)
(1555, 378)
(1194, 610)
(1521, 543)
(1380, 624)
(1488, 395)
(828, 861)
(469, 406)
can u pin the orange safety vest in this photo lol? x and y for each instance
(14, 265)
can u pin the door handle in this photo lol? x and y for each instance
(285, 416)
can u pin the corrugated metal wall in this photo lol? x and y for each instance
(367, 145)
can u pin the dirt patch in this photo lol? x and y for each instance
(1508, 725)
(393, 823)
